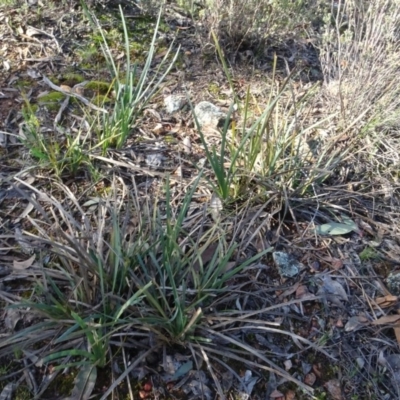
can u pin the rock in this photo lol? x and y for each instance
(287, 266)
(393, 283)
(154, 160)
(208, 114)
(174, 102)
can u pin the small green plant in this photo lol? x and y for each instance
(32, 137)
(133, 92)
(368, 253)
(67, 157)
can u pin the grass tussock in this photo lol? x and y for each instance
(360, 60)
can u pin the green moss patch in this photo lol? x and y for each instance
(99, 87)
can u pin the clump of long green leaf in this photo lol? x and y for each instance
(270, 145)
(67, 157)
(101, 282)
(134, 90)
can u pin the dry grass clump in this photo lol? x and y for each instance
(360, 59)
(247, 25)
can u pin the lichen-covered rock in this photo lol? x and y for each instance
(174, 102)
(393, 283)
(207, 114)
(287, 266)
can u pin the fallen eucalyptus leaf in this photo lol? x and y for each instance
(182, 370)
(337, 228)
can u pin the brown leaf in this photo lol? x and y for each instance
(206, 256)
(337, 264)
(289, 291)
(339, 323)
(24, 264)
(355, 323)
(385, 301)
(276, 394)
(301, 292)
(310, 379)
(290, 395)
(387, 319)
(178, 172)
(158, 129)
(397, 333)
(317, 370)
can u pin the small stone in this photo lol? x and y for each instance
(393, 283)
(209, 114)
(287, 266)
(154, 160)
(174, 103)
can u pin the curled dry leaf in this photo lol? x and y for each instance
(317, 369)
(310, 379)
(21, 265)
(385, 301)
(387, 319)
(332, 287)
(276, 394)
(355, 323)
